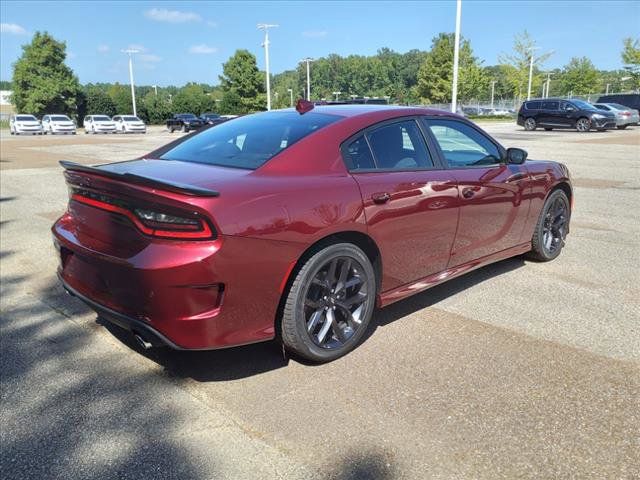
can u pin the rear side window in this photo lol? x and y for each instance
(550, 105)
(358, 155)
(399, 146)
(532, 105)
(463, 145)
(602, 107)
(248, 142)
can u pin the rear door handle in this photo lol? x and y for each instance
(381, 197)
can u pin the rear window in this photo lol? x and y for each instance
(532, 105)
(25, 118)
(248, 142)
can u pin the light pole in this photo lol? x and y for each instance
(456, 56)
(290, 90)
(155, 89)
(131, 51)
(493, 89)
(623, 79)
(531, 49)
(308, 60)
(266, 27)
(607, 92)
(546, 95)
(336, 94)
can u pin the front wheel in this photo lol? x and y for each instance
(530, 124)
(184, 129)
(548, 129)
(330, 303)
(583, 125)
(552, 227)
(621, 127)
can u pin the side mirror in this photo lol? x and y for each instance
(516, 156)
(570, 109)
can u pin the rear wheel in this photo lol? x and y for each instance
(330, 303)
(552, 227)
(530, 124)
(183, 129)
(621, 127)
(548, 129)
(583, 125)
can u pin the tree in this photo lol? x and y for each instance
(42, 83)
(156, 107)
(631, 60)
(98, 102)
(579, 77)
(242, 77)
(516, 65)
(435, 76)
(121, 97)
(193, 99)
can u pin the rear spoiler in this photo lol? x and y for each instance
(141, 180)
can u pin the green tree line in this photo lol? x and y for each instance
(43, 83)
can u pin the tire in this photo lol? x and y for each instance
(621, 127)
(548, 129)
(184, 129)
(93, 130)
(530, 124)
(171, 130)
(316, 326)
(583, 125)
(545, 248)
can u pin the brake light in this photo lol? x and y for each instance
(149, 222)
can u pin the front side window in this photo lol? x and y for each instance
(399, 146)
(248, 142)
(463, 145)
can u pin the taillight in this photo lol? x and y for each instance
(148, 221)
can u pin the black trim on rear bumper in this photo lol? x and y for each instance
(131, 324)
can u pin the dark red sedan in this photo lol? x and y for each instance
(297, 224)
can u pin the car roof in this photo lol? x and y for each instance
(354, 110)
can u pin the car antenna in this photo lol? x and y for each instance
(303, 106)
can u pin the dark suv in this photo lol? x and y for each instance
(551, 113)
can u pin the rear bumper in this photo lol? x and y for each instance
(130, 324)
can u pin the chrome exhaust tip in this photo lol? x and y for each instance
(142, 342)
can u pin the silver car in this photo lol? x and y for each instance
(625, 116)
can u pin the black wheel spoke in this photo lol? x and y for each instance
(344, 271)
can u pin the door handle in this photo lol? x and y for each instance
(381, 197)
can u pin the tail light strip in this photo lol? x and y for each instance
(203, 231)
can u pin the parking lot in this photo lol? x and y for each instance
(517, 370)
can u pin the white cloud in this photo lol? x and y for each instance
(12, 28)
(315, 33)
(212, 24)
(171, 16)
(149, 58)
(103, 48)
(202, 49)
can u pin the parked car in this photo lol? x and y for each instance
(58, 124)
(98, 124)
(625, 116)
(129, 124)
(631, 100)
(550, 113)
(210, 118)
(297, 225)
(184, 122)
(24, 124)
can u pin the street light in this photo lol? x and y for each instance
(493, 89)
(130, 52)
(155, 88)
(290, 96)
(266, 27)
(531, 49)
(307, 61)
(456, 56)
(336, 94)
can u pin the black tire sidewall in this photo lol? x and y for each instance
(538, 243)
(303, 345)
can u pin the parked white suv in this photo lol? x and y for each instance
(129, 124)
(24, 124)
(98, 124)
(58, 124)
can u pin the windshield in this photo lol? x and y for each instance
(26, 118)
(60, 118)
(248, 142)
(101, 118)
(131, 119)
(186, 115)
(583, 105)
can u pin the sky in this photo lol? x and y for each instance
(181, 42)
